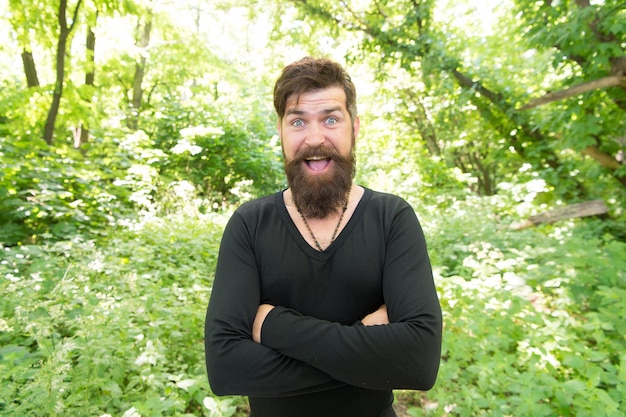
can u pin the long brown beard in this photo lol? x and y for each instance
(317, 196)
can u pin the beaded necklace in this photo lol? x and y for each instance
(332, 239)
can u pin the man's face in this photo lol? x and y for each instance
(317, 118)
(317, 136)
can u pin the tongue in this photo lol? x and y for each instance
(318, 165)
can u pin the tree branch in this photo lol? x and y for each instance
(75, 15)
(606, 82)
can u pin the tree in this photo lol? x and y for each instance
(22, 20)
(142, 42)
(81, 132)
(408, 34)
(588, 43)
(64, 33)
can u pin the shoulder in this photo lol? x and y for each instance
(258, 205)
(264, 211)
(392, 211)
(395, 214)
(252, 215)
(385, 201)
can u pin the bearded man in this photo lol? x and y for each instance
(323, 301)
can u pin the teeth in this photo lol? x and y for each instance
(315, 158)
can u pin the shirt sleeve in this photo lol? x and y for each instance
(237, 365)
(403, 354)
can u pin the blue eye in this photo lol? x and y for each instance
(297, 123)
(332, 121)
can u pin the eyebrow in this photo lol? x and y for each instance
(324, 112)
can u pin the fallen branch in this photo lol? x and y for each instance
(586, 209)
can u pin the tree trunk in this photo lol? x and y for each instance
(90, 42)
(64, 32)
(58, 88)
(142, 43)
(81, 136)
(30, 70)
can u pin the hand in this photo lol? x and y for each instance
(261, 313)
(377, 317)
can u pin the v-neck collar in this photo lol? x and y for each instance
(309, 250)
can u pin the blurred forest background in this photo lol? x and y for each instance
(130, 129)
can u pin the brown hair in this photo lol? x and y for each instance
(311, 74)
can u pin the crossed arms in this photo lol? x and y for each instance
(378, 317)
(258, 349)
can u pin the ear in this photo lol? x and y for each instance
(355, 126)
(279, 126)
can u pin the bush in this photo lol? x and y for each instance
(54, 193)
(218, 147)
(533, 319)
(110, 329)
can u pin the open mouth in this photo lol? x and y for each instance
(317, 163)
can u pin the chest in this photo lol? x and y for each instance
(341, 284)
(320, 233)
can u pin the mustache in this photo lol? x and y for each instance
(319, 151)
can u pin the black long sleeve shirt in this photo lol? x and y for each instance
(316, 359)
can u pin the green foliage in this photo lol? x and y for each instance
(533, 319)
(54, 193)
(109, 250)
(585, 43)
(14, 121)
(227, 156)
(114, 328)
(404, 168)
(473, 75)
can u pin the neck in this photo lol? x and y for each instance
(339, 209)
(335, 231)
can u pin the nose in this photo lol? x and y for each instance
(315, 135)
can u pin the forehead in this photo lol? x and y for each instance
(327, 98)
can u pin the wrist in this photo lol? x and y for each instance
(261, 315)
